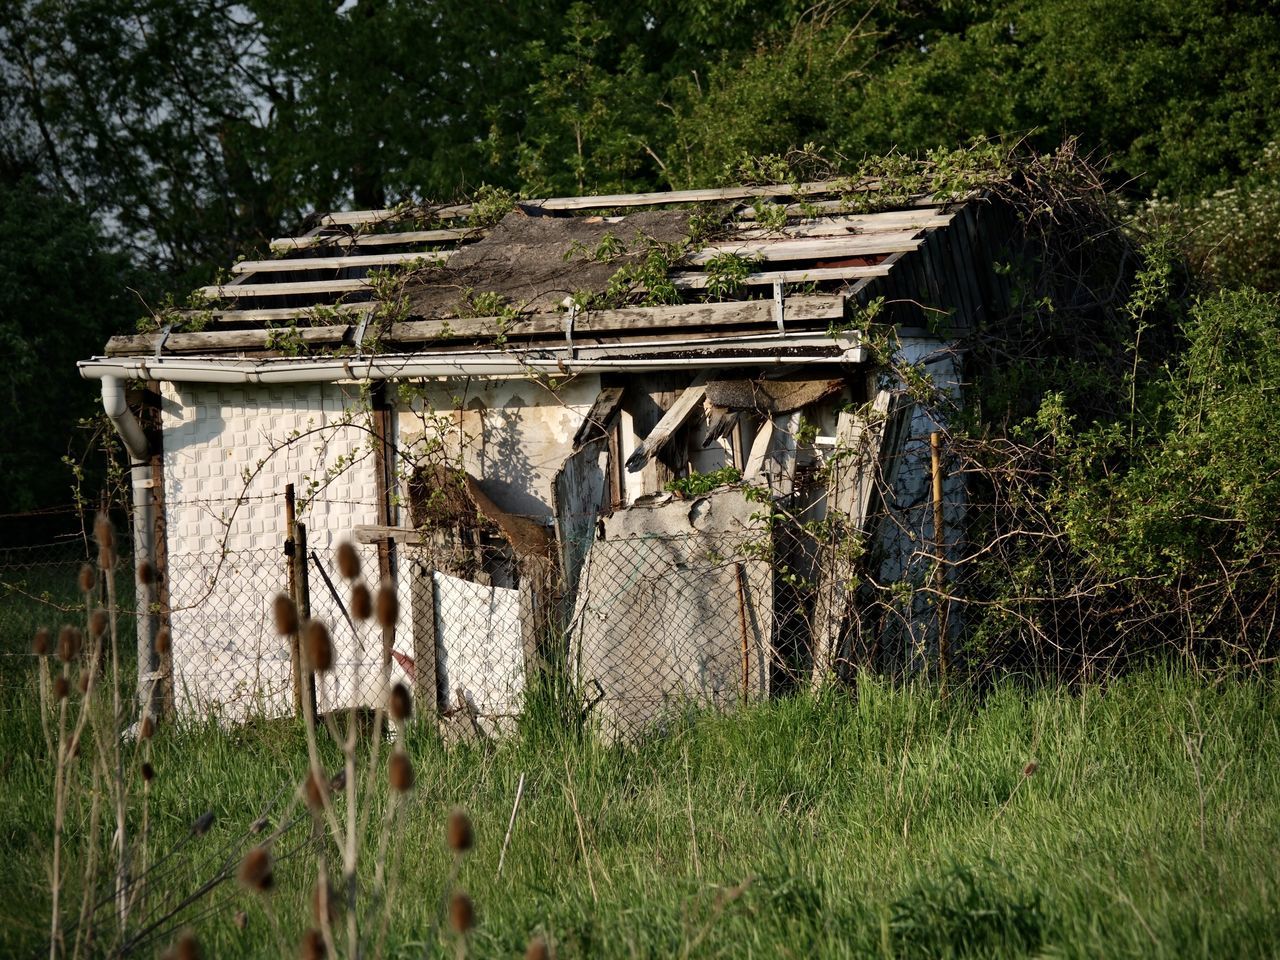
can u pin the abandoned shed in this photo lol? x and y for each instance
(639, 441)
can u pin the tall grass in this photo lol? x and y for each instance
(1137, 819)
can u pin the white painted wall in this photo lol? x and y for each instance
(227, 658)
(511, 434)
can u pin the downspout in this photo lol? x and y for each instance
(141, 482)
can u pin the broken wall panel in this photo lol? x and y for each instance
(480, 660)
(513, 435)
(674, 607)
(581, 496)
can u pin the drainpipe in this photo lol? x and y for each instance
(141, 482)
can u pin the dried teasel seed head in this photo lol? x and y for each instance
(400, 773)
(88, 578)
(285, 614)
(68, 644)
(388, 607)
(361, 602)
(42, 642)
(147, 729)
(146, 573)
(458, 835)
(538, 949)
(256, 870)
(319, 646)
(164, 640)
(148, 772)
(103, 532)
(186, 947)
(1030, 768)
(348, 560)
(400, 703)
(61, 687)
(314, 790)
(312, 946)
(105, 536)
(97, 623)
(462, 913)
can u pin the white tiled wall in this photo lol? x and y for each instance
(226, 533)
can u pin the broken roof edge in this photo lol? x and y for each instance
(817, 349)
(613, 201)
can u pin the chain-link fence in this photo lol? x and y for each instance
(39, 588)
(622, 622)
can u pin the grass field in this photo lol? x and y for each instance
(1139, 819)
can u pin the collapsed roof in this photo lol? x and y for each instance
(738, 276)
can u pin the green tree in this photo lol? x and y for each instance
(62, 293)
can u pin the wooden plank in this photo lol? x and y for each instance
(378, 239)
(596, 422)
(840, 226)
(228, 291)
(275, 314)
(624, 325)
(347, 218)
(842, 206)
(662, 197)
(581, 494)
(671, 421)
(782, 249)
(698, 281)
(374, 533)
(290, 264)
(800, 310)
(223, 341)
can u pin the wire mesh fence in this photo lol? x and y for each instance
(623, 626)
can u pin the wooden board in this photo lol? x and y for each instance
(378, 239)
(354, 217)
(844, 226)
(804, 311)
(698, 281)
(227, 291)
(690, 400)
(225, 341)
(276, 314)
(291, 264)
(805, 249)
(661, 197)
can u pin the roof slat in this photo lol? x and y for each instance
(857, 244)
(347, 218)
(230, 290)
(378, 239)
(698, 281)
(288, 264)
(690, 318)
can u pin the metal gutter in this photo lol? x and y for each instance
(487, 364)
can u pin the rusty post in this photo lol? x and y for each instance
(304, 679)
(940, 548)
(291, 588)
(742, 626)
